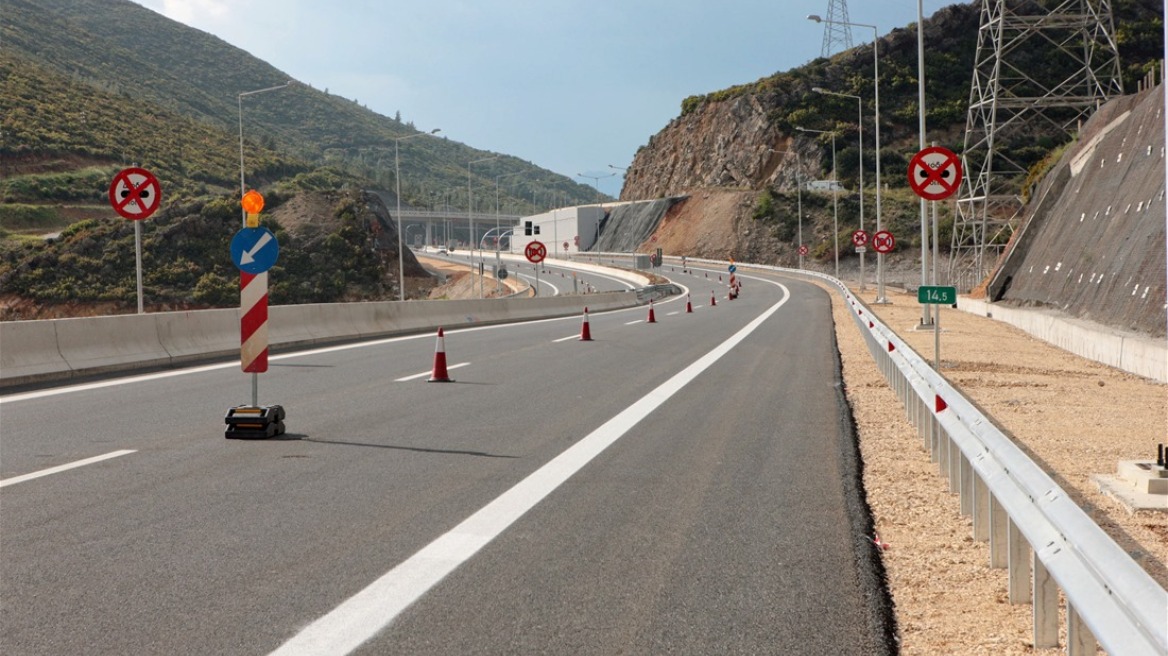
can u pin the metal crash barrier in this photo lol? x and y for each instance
(1035, 530)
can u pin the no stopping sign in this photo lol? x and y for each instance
(934, 173)
(535, 252)
(135, 193)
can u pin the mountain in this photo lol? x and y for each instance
(734, 140)
(119, 71)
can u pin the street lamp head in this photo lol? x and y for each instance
(435, 130)
(814, 17)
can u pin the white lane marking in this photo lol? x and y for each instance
(361, 616)
(427, 373)
(629, 323)
(670, 314)
(564, 339)
(60, 468)
(542, 281)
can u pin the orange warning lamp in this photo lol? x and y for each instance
(253, 202)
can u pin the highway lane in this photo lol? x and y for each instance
(553, 278)
(719, 523)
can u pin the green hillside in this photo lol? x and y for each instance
(161, 70)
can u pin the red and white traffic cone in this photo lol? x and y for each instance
(719, 278)
(585, 332)
(688, 304)
(440, 375)
(652, 319)
(713, 299)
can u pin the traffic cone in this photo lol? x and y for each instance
(719, 278)
(585, 332)
(440, 375)
(652, 319)
(688, 305)
(713, 299)
(707, 274)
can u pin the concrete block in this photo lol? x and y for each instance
(107, 343)
(28, 350)
(204, 333)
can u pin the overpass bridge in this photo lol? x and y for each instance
(435, 227)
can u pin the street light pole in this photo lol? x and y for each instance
(401, 267)
(242, 188)
(596, 182)
(860, 129)
(834, 194)
(470, 220)
(876, 83)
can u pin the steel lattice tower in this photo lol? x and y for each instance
(1011, 101)
(837, 37)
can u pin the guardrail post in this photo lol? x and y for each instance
(966, 486)
(1018, 572)
(954, 466)
(981, 510)
(943, 445)
(935, 439)
(1046, 606)
(998, 521)
(1080, 642)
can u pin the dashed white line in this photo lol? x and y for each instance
(427, 373)
(60, 468)
(629, 323)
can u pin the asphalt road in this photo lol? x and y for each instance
(687, 486)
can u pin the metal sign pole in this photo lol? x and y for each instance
(138, 258)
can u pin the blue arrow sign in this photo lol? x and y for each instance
(733, 268)
(254, 250)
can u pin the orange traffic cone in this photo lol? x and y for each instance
(652, 319)
(440, 375)
(713, 299)
(585, 332)
(688, 304)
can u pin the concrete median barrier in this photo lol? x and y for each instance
(28, 351)
(37, 351)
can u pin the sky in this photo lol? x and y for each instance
(573, 86)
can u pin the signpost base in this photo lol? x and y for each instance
(247, 422)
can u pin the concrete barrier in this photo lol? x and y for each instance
(96, 344)
(28, 350)
(1133, 353)
(195, 335)
(38, 351)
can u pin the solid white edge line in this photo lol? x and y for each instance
(427, 373)
(363, 615)
(60, 468)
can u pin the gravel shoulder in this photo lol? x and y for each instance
(1075, 418)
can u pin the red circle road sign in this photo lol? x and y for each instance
(135, 193)
(883, 241)
(934, 173)
(803, 250)
(859, 238)
(535, 252)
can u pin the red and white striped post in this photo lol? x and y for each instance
(253, 327)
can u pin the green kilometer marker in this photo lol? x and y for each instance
(937, 295)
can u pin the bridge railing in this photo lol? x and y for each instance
(1035, 530)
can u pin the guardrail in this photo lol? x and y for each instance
(1026, 517)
